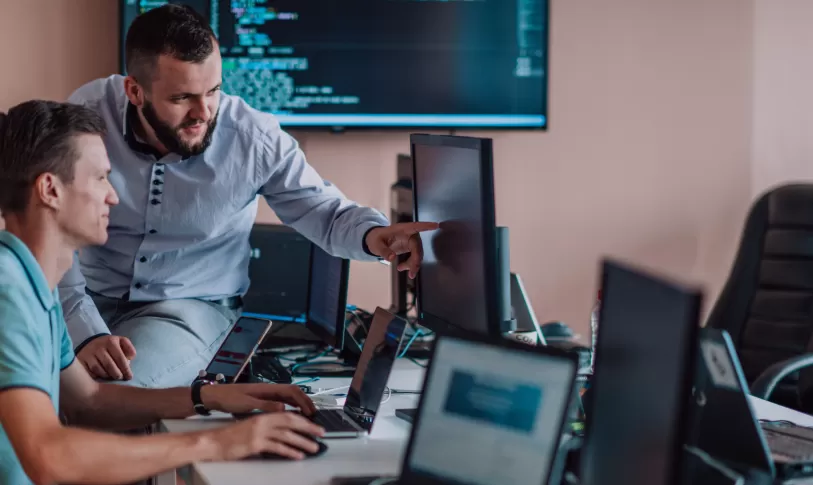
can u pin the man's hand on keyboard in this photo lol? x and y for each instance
(244, 398)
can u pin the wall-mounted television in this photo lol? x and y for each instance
(448, 64)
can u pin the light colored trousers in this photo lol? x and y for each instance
(174, 339)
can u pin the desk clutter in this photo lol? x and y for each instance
(502, 399)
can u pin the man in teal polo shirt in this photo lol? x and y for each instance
(55, 197)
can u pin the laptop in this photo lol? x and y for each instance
(381, 348)
(638, 408)
(727, 427)
(490, 412)
(522, 311)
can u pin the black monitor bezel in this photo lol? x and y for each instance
(336, 341)
(408, 476)
(545, 88)
(488, 216)
(694, 302)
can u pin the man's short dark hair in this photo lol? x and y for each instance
(38, 137)
(175, 30)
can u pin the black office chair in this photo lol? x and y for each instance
(767, 302)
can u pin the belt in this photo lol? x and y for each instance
(232, 302)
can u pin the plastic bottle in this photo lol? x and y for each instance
(594, 316)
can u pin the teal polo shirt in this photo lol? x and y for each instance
(34, 341)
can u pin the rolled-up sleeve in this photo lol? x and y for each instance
(314, 207)
(81, 315)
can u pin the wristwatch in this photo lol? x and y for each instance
(197, 402)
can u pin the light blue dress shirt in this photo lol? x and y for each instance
(181, 227)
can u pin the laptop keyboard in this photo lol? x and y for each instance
(333, 420)
(790, 446)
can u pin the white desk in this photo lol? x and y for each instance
(379, 453)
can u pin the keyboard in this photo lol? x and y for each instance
(333, 420)
(789, 445)
(270, 368)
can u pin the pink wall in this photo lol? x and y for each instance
(783, 100)
(647, 156)
(50, 47)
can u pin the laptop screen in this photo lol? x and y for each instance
(725, 423)
(490, 415)
(378, 355)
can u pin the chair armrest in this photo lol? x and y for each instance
(765, 384)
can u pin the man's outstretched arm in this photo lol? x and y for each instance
(88, 403)
(52, 453)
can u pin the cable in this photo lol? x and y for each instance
(782, 422)
(736, 479)
(415, 361)
(294, 367)
(405, 391)
(389, 395)
(406, 347)
(360, 322)
(312, 379)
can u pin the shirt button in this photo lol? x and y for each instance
(157, 182)
(155, 202)
(153, 231)
(138, 286)
(143, 259)
(156, 192)
(159, 172)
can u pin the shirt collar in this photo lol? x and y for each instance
(32, 269)
(129, 121)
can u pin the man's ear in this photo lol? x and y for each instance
(49, 190)
(134, 91)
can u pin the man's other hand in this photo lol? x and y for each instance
(244, 398)
(108, 357)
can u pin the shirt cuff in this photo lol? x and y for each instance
(87, 341)
(364, 242)
(85, 324)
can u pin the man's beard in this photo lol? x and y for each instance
(168, 136)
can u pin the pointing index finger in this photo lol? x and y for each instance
(416, 227)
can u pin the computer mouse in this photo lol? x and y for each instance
(556, 330)
(273, 456)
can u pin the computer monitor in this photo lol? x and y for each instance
(327, 296)
(278, 271)
(362, 63)
(637, 413)
(453, 185)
